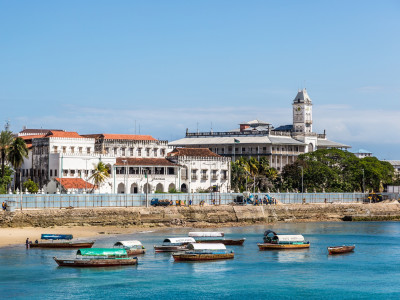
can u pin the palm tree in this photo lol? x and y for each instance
(16, 154)
(100, 173)
(6, 139)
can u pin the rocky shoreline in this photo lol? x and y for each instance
(196, 216)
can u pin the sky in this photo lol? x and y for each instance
(159, 67)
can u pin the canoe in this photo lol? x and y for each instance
(340, 249)
(174, 244)
(201, 257)
(269, 246)
(106, 262)
(225, 242)
(62, 245)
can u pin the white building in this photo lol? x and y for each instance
(361, 153)
(202, 169)
(258, 138)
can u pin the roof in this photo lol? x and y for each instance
(180, 240)
(393, 162)
(36, 131)
(361, 151)
(102, 252)
(284, 128)
(74, 183)
(206, 246)
(131, 137)
(302, 96)
(206, 234)
(28, 139)
(197, 152)
(218, 140)
(290, 238)
(128, 244)
(64, 134)
(143, 162)
(255, 122)
(330, 144)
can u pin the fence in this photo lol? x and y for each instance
(43, 201)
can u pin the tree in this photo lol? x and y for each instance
(5, 180)
(6, 139)
(16, 154)
(31, 186)
(100, 173)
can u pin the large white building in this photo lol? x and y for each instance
(258, 138)
(61, 161)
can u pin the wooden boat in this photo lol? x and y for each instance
(273, 241)
(204, 252)
(131, 247)
(98, 257)
(174, 244)
(340, 249)
(60, 241)
(215, 237)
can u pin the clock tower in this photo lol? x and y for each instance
(302, 112)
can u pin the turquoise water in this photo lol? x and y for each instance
(372, 271)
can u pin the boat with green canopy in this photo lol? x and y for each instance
(60, 241)
(98, 257)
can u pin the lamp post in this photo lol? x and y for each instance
(302, 178)
(146, 172)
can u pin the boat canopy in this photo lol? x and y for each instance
(180, 240)
(56, 236)
(128, 244)
(266, 233)
(206, 234)
(290, 238)
(200, 246)
(101, 252)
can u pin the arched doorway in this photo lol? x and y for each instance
(310, 147)
(134, 188)
(147, 188)
(160, 188)
(121, 188)
(171, 187)
(184, 188)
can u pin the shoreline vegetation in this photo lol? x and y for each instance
(15, 227)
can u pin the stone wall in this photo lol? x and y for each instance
(202, 216)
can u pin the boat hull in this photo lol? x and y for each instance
(340, 249)
(62, 245)
(170, 248)
(268, 246)
(135, 252)
(202, 257)
(95, 262)
(225, 242)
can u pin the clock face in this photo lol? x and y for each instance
(298, 109)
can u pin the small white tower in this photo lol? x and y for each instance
(302, 112)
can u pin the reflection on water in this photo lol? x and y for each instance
(287, 256)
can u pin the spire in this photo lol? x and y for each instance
(302, 96)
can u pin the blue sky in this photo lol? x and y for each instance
(97, 66)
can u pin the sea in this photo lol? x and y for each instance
(371, 272)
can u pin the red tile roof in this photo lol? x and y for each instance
(37, 131)
(144, 162)
(64, 134)
(198, 152)
(28, 139)
(74, 183)
(132, 137)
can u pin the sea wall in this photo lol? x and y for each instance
(200, 216)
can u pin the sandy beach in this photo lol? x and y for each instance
(13, 236)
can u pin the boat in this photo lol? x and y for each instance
(273, 241)
(215, 237)
(98, 257)
(131, 247)
(340, 249)
(174, 244)
(204, 252)
(60, 241)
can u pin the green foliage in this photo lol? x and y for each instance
(100, 173)
(334, 170)
(31, 186)
(173, 191)
(5, 180)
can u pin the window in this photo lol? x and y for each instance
(204, 174)
(72, 149)
(115, 151)
(222, 150)
(65, 172)
(55, 172)
(224, 174)
(51, 172)
(139, 151)
(264, 148)
(147, 151)
(155, 151)
(80, 149)
(194, 174)
(130, 151)
(88, 150)
(214, 175)
(107, 150)
(64, 149)
(55, 149)
(72, 172)
(243, 149)
(162, 152)
(79, 173)
(236, 149)
(123, 151)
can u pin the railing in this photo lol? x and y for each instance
(45, 201)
